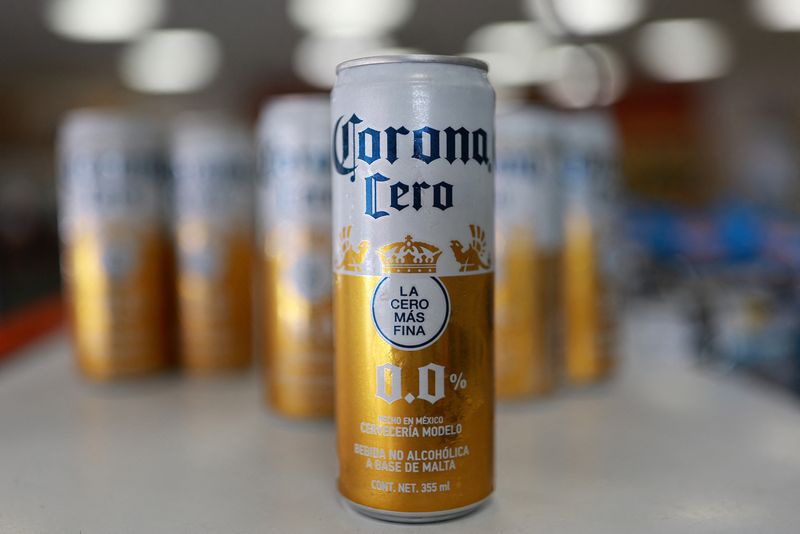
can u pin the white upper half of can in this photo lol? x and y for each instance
(527, 192)
(195, 134)
(294, 162)
(413, 167)
(213, 164)
(590, 174)
(111, 171)
(588, 146)
(589, 130)
(99, 129)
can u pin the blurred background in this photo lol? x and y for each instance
(704, 93)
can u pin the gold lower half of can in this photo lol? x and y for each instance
(415, 457)
(119, 305)
(215, 312)
(525, 321)
(298, 346)
(589, 320)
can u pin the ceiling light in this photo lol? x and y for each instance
(513, 51)
(587, 17)
(575, 79)
(684, 50)
(316, 56)
(171, 61)
(103, 20)
(613, 73)
(350, 17)
(779, 15)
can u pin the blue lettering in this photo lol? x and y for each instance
(480, 150)
(460, 144)
(440, 190)
(418, 187)
(339, 164)
(398, 190)
(371, 183)
(391, 142)
(433, 136)
(463, 135)
(375, 147)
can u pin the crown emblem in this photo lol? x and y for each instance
(409, 256)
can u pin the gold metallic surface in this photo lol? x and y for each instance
(298, 345)
(214, 311)
(588, 319)
(121, 327)
(465, 351)
(525, 317)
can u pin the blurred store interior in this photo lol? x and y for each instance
(705, 95)
(687, 419)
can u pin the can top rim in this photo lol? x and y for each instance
(414, 58)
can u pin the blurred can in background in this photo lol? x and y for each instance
(528, 240)
(589, 174)
(413, 222)
(295, 230)
(115, 248)
(213, 164)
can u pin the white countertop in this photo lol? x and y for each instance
(663, 448)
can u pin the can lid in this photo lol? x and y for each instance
(414, 58)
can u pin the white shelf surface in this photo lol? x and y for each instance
(664, 448)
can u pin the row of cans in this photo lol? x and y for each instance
(558, 247)
(381, 237)
(133, 214)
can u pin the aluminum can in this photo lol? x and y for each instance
(528, 240)
(213, 164)
(591, 266)
(413, 230)
(295, 232)
(115, 247)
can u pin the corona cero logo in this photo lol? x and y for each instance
(383, 195)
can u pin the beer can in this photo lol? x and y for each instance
(115, 247)
(413, 230)
(588, 146)
(213, 164)
(528, 241)
(295, 229)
